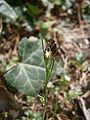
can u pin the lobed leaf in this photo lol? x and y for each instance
(28, 75)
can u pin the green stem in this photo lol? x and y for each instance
(50, 69)
(45, 97)
(48, 74)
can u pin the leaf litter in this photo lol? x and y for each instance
(61, 103)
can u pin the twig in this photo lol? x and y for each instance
(10, 69)
(83, 107)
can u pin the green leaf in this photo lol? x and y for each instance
(28, 75)
(79, 57)
(7, 10)
(31, 52)
(34, 9)
(48, 24)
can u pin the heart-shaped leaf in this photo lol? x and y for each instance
(28, 75)
(7, 10)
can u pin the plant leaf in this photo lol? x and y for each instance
(48, 24)
(34, 9)
(7, 10)
(31, 52)
(28, 75)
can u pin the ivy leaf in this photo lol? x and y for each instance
(28, 75)
(31, 52)
(7, 10)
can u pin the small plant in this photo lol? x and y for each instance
(73, 93)
(30, 115)
(49, 62)
(64, 80)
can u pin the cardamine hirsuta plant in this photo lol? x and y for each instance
(49, 62)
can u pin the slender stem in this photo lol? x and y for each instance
(45, 97)
(50, 69)
(48, 73)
